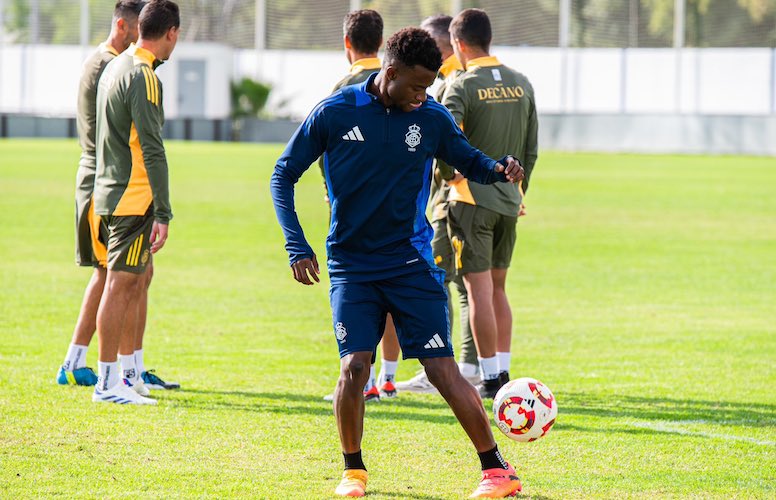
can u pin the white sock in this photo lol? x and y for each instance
(128, 367)
(388, 371)
(108, 375)
(504, 360)
(489, 367)
(468, 369)
(371, 382)
(76, 357)
(139, 362)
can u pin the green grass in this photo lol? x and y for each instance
(644, 293)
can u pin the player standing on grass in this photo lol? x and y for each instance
(362, 37)
(91, 237)
(131, 187)
(379, 243)
(90, 250)
(495, 107)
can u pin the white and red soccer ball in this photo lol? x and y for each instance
(525, 409)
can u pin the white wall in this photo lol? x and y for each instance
(43, 80)
(652, 81)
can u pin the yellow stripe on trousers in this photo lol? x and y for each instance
(129, 254)
(137, 251)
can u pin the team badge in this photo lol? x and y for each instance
(144, 258)
(412, 138)
(340, 332)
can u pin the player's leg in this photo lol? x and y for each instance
(358, 321)
(149, 377)
(128, 255)
(472, 229)
(467, 354)
(91, 238)
(505, 236)
(419, 305)
(389, 346)
(503, 313)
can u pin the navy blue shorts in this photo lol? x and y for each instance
(417, 302)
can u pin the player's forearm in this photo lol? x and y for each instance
(282, 191)
(158, 178)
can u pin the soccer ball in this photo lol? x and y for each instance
(525, 409)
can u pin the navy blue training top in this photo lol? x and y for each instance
(377, 164)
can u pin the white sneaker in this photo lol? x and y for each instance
(139, 387)
(121, 394)
(419, 383)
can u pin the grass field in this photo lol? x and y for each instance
(644, 292)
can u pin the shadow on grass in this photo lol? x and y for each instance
(299, 404)
(749, 414)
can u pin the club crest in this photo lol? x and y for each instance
(412, 138)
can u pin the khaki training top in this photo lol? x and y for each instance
(496, 109)
(86, 114)
(131, 162)
(451, 68)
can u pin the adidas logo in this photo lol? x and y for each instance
(434, 343)
(354, 135)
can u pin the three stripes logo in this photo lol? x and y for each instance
(435, 342)
(133, 255)
(354, 134)
(152, 85)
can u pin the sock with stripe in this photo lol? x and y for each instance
(108, 375)
(76, 357)
(489, 367)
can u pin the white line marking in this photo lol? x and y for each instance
(673, 428)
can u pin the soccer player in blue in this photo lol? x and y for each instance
(378, 140)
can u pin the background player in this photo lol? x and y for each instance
(495, 106)
(91, 235)
(131, 186)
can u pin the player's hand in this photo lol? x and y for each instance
(522, 211)
(456, 178)
(158, 236)
(514, 171)
(306, 268)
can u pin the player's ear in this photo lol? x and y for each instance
(346, 40)
(390, 72)
(121, 24)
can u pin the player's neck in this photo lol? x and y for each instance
(354, 56)
(117, 43)
(473, 54)
(151, 46)
(379, 89)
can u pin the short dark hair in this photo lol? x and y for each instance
(473, 27)
(413, 46)
(125, 9)
(438, 27)
(364, 29)
(157, 17)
